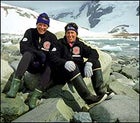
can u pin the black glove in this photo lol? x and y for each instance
(41, 56)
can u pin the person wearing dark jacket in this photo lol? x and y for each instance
(35, 47)
(71, 66)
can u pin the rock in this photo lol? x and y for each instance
(106, 62)
(11, 50)
(81, 117)
(6, 72)
(50, 110)
(123, 79)
(116, 67)
(136, 87)
(120, 108)
(60, 34)
(68, 93)
(120, 89)
(130, 72)
(13, 107)
(14, 64)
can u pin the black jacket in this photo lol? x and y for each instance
(30, 41)
(76, 53)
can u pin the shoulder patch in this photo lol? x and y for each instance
(24, 39)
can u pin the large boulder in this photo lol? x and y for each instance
(121, 89)
(6, 72)
(12, 108)
(130, 71)
(50, 110)
(120, 108)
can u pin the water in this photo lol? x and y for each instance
(118, 47)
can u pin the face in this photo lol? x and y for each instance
(71, 36)
(42, 28)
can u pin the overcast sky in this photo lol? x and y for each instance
(40, 6)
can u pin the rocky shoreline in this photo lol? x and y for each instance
(62, 104)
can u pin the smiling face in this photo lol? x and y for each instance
(42, 28)
(71, 36)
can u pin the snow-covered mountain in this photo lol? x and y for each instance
(102, 16)
(15, 20)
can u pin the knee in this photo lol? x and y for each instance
(96, 64)
(75, 72)
(48, 68)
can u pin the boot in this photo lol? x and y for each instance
(85, 94)
(13, 88)
(34, 97)
(97, 82)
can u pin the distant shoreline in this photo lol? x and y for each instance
(112, 36)
(99, 36)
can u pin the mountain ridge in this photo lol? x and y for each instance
(22, 18)
(95, 15)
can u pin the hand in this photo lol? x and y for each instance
(70, 66)
(88, 69)
(41, 57)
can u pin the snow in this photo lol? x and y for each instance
(13, 23)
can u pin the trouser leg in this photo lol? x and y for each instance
(16, 81)
(84, 92)
(44, 83)
(97, 81)
(77, 80)
(23, 64)
(45, 79)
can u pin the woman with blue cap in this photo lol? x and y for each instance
(35, 47)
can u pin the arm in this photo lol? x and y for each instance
(89, 53)
(56, 56)
(26, 43)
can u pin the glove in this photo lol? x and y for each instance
(88, 69)
(70, 66)
(41, 56)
